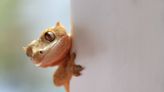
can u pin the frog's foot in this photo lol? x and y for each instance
(77, 70)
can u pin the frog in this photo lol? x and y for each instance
(54, 48)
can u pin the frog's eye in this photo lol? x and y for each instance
(49, 36)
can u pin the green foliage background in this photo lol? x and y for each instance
(17, 73)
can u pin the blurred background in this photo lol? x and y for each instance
(22, 21)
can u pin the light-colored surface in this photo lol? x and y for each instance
(121, 45)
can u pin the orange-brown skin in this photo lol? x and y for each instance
(53, 48)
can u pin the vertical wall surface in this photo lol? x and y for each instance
(121, 45)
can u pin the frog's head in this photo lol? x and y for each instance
(51, 47)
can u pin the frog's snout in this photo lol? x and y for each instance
(29, 51)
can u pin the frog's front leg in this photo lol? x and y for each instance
(76, 69)
(72, 69)
(65, 72)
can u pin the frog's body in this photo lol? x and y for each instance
(65, 71)
(53, 48)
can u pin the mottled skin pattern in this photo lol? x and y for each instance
(53, 48)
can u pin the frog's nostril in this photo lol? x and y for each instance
(41, 52)
(29, 51)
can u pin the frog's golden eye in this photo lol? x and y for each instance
(49, 36)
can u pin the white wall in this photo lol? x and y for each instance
(121, 45)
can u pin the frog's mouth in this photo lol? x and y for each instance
(54, 54)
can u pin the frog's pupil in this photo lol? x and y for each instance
(49, 36)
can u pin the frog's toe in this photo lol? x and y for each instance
(77, 74)
(73, 55)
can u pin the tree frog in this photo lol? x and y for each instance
(53, 48)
